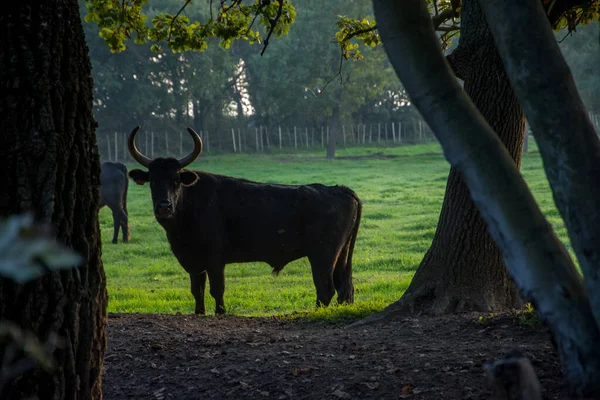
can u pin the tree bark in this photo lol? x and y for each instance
(51, 167)
(463, 270)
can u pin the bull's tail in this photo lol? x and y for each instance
(343, 268)
(125, 194)
(354, 234)
(126, 231)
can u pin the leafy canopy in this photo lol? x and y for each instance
(229, 20)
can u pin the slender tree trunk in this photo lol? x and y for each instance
(335, 127)
(463, 270)
(50, 166)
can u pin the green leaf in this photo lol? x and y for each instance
(27, 251)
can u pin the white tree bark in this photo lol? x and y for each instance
(535, 258)
(560, 123)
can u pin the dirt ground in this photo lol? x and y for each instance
(188, 357)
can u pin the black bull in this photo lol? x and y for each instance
(213, 220)
(113, 193)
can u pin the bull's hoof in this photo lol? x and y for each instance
(200, 312)
(115, 241)
(220, 311)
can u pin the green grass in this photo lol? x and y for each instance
(402, 198)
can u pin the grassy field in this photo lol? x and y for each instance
(402, 197)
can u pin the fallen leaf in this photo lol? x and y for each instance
(407, 390)
(298, 371)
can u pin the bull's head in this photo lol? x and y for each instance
(166, 175)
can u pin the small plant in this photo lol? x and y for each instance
(528, 316)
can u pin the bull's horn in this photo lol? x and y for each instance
(135, 153)
(187, 160)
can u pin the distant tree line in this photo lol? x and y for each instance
(290, 86)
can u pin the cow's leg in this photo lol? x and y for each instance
(342, 277)
(216, 276)
(322, 271)
(198, 282)
(116, 225)
(124, 226)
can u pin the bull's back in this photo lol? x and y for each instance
(113, 184)
(280, 223)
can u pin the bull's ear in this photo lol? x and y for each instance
(140, 177)
(188, 178)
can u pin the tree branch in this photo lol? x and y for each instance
(339, 73)
(450, 28)
(359, 32)
(535, 258)
(273, 25)
(177, 16)
(545, 87)
(439, 19)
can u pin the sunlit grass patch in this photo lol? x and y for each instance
(402, 190)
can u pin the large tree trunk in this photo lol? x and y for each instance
(463, 270)
(50, 166)
(535, 257)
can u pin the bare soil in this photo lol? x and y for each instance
(188, 357)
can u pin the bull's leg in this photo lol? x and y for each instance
(198, 282)
(116, 224)
(342, 277)
(124, 226)
(322, 272)
(216, 276)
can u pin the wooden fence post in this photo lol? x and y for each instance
(152, 143)
(124, 148)
(262, 142)
(267, 137)
(166, 144)
(327, 135)
(256, 137)
(108, 146)
(370, 133)
(394, 132)
(322, 144)
(279, 137)
(306, 135)
(295, 139)
(400, 132)
(181, 144)
(116, 148)
(379, 133)
(386, 133)
(344, 134)
(233, 140)
(239, 141)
